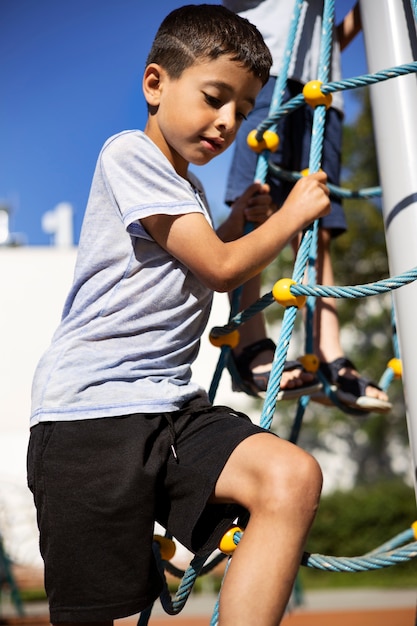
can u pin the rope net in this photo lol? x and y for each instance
(403, 547)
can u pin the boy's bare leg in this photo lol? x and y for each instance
(280, 485)
(109, 623)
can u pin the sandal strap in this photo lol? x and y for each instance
(245, 358)
(257, 347)
(248, 354)
(355, 386)
(331, 370)
(293, 365)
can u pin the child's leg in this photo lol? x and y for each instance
(280, 485)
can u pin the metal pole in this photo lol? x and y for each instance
(390, 39)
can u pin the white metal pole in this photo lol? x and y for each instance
(390, 40)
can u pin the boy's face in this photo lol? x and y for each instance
(196, 117)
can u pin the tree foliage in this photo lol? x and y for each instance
(356, 522)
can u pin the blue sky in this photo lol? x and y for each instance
(70, 77)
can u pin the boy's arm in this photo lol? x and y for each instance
(224, 266)
(349, 27)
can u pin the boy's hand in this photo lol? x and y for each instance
(309, 199)
(224, 266)
(255, 204)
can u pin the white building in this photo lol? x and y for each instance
(34, 282)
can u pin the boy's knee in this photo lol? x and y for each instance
(307, 472)
(299, 485)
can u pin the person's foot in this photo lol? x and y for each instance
(352, 389)
(261, 366)
(254, 364)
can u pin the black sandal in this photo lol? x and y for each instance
(351, 391)
(255, 384)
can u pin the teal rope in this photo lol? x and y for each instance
(277, 368)
(359, 291)
(262, 162)
(308, 248)
(173, 606)
(215, 616)
(221, 364)
(370, 79)
(388, 376)
(326, 41)
(384, 556)
(340, 192)
(279, 89)
(390, 553)
(343, 85)
(361, 564)
(8, 578)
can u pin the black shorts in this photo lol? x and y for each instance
(100, 484)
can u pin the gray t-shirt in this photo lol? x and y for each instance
(133, 319)
(273, 20)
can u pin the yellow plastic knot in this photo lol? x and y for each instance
(227, 544)
(310, 362)
(314, 96)
(231, 339)
(414, 529)
(269, 141)
(396, 366)
(167, 547)
(282, 294)
(306, 171)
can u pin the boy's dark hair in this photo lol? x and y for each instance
(199, 31)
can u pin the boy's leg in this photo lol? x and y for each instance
(280, 486)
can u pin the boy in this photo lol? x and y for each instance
(120, 435)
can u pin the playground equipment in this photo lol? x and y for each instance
(390, 39)
(7, 580)
(389, 28)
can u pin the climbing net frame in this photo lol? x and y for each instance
(403, 547)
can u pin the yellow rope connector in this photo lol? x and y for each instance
(231, 339)
(269, 141)
(314, 96)
(282, 294)
(306, 171)
(414, 529)
(396, 366)
(167, 547)
(310, 362)
(227, 544)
